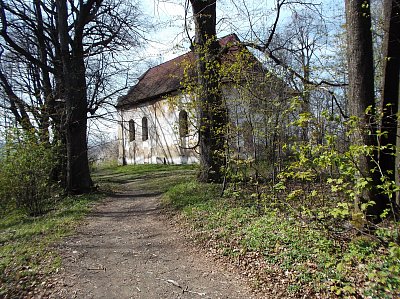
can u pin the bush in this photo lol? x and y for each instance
(25, 167)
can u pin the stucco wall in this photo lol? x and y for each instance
(164, 145)
(252, 126)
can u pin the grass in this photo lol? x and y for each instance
(158, 177)
(26, 255)
(305, 259)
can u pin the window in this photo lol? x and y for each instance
(183, 124)
(132, 130)
(145, 129)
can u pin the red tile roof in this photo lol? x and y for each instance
(163, 79)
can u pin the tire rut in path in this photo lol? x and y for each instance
(127, 249)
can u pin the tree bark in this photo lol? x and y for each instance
(212, 112)
(78, 178)
(361, 96)
(390, 90)
(43, 76)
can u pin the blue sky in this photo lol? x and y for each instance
(169, 38)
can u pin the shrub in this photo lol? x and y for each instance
(25, 167)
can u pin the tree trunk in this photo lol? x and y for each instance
(78, 172)
(78, 178)
(390, 89)
(212, 112)
(361, 94)
(43, 76)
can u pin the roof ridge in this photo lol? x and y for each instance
(230, 34)
(186, 53)
(167, 61)
(149, 85)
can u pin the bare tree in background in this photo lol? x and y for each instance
(302, 40)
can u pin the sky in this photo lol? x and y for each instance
(169, 38)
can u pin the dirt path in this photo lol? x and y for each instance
(127, 249)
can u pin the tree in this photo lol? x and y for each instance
(78, 178)
(304, 38)
(390, 90)
(362, 101)
(212, 112)
(57, 42)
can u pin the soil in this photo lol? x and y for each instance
(128, 248)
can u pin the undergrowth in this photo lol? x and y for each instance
(308, 259)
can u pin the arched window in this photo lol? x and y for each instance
(183, 124)
(132, 134)
(145, 129)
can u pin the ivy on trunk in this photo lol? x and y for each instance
(212, 111)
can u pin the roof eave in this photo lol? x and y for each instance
(135, 104)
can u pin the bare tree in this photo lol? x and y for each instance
(66, 44)
(301, 42)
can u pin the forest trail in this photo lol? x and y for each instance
(127, 248)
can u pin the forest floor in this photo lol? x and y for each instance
(128, 247)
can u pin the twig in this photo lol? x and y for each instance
(184, 290)
(193, 292)
(174, 283)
